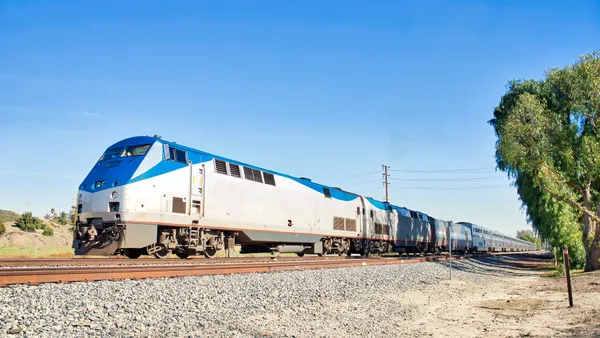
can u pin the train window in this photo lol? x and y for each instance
(269, 178)
(326, 192)
(111, 153)
(139, 150)
(221, 167)
(389, 207)
(357, 211)
(371, 213)
(234, 170)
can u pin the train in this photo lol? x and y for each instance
(149, 196)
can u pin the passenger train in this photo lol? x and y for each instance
(146, 195)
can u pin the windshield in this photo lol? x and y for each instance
(139, 150)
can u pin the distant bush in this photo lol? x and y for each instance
(48, 232)
(27, 222)
(63, 218)
(2, 228)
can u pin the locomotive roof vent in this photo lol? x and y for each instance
(158, 136)
(304, 178)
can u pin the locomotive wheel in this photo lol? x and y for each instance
(162, 254)
(300, 254)
(210, 252)
(182, 254)
(133, 253)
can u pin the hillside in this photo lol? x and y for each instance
(8, 216)
(16, 243)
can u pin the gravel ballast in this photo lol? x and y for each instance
(360, 301)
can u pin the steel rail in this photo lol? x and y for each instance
(141, 261)
(14, 262)
(34, 276)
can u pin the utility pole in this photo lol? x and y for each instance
(386, 182)
(450, 231)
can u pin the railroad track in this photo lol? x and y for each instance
(39, 275)
(146, 261)
(27, 262)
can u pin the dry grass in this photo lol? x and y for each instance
(29, 252)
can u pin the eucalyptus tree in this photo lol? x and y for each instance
(548, 139)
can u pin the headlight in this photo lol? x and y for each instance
(114, 195)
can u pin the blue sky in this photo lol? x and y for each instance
(322, 89)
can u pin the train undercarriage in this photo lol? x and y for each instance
(108, 239)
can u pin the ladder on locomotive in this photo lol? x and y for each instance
(194, 236)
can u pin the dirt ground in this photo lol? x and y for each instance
(19, 244)
(522, 304)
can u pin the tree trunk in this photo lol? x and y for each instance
(591, 243)
(592, 259)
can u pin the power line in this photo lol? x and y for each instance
(443, 170)
(365, 174)
(456, 188)
(372, 189)
(449, 178)
(365, 182)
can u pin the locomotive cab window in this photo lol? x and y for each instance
(112, 153)
(130, 151)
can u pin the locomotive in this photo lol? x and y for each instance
(146, 195)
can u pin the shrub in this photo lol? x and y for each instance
(63, 218)
(48, 232)
(27, 222)
(2, 228)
